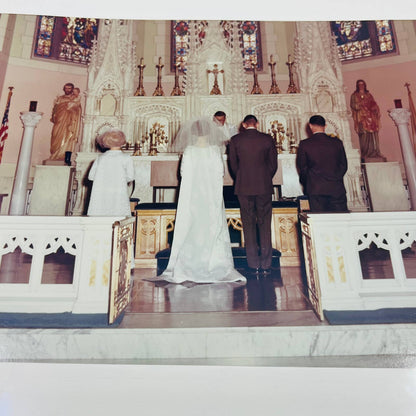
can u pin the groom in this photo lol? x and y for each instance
(253, 161)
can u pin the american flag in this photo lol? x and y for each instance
(5, 124)
(412, 113)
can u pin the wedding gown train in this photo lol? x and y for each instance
(201, 250)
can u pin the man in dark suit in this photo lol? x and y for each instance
(253, 162)
(322, 164)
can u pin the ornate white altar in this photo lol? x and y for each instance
(110, 100)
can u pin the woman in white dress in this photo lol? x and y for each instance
(201, 249)
(111, 172)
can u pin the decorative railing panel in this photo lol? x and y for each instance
(363, 260)
(28, 244)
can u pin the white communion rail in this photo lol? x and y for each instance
(338, 276)
(87, 239)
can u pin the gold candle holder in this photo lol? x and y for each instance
(157, 136)
(140, 89)
(137, 151)
(256, 87)
(277, 132)
(159, 90)
(293, 146)
(176, 89)
(292, 89)
(274, 89)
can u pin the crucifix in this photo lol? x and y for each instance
(215, 89)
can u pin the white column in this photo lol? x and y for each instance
(401, 118)
(18, 199)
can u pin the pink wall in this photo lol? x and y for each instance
(386, 83)
(33, 85)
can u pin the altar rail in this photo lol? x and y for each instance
(360, 261)
(59, 264)
(156, 221)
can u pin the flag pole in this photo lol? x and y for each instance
(5, 123)
(412, 114)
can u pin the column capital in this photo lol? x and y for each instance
(400, 115)
(30, 118)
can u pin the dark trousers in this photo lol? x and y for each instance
(328, 203)
(256, 213)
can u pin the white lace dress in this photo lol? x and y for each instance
(201, 250)
(110, 174)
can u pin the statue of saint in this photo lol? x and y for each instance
(366, 115)
(66, 117)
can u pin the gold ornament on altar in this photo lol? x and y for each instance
(215, 89)
(159, 90)
(274, 89)
(256, 87)
(279, 134)
(155, 137)
(293, 146)
(138, 146)
(140, 89)
(277, 131)
(292, 89)
(176, 88)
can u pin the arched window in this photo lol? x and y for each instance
(248, 32)
(362, 39)
(68, 39)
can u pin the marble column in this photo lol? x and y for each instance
(401, 117)
(30, 119)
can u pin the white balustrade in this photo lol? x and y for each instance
(88, 239)
(332, 244)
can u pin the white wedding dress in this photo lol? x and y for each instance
(201, 250)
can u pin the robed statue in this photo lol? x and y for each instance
(66, 117)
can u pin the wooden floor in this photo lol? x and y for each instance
(283, 290)
(276, 300)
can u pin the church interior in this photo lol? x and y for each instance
(342, 292)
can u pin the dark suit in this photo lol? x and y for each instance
(322, 164)
(253, 163)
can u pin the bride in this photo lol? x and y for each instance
(201, 250)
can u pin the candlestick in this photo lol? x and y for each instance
(256, 87)
(140, 89)
(274, 89)
(176, 88)
(159, 90)
(292, 89)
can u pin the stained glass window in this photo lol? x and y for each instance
(249, 34)
(46, 25)
(67, 39)
(361, 39)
